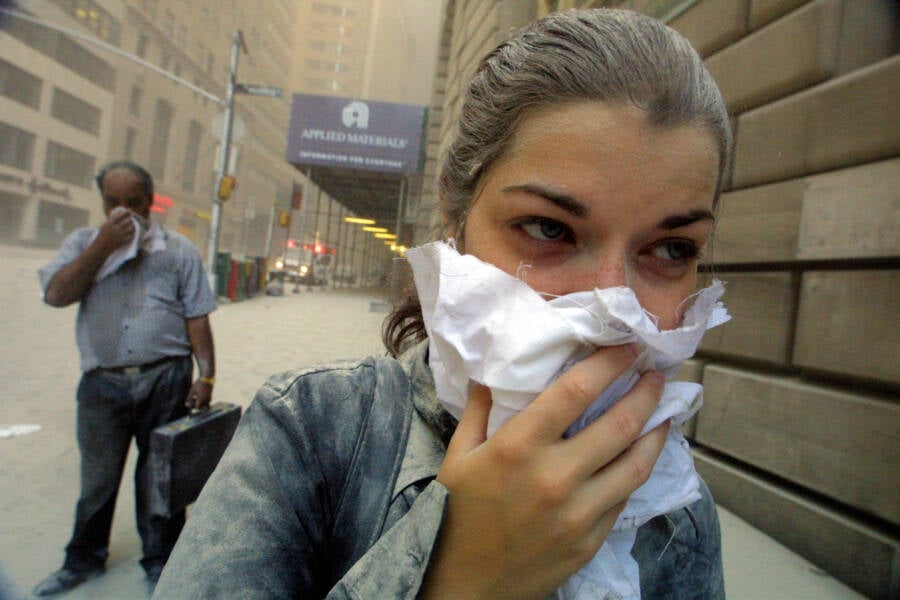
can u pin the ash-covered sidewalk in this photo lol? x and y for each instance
(254, 339)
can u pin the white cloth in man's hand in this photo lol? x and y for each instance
(148, 237)
(487, 326)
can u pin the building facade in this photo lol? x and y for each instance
(70, 106)
(801, 423)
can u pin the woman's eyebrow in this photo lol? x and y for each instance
(563, 201)
(676, 221)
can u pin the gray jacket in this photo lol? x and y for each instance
(328, 490)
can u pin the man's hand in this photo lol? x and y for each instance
(72, 282)
(200, 395)
(117, 230)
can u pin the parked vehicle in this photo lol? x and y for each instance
(308, 264)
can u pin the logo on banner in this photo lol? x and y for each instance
(356, 113)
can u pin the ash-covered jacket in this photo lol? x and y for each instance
(328, 490)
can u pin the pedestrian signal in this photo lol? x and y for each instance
(226, 186)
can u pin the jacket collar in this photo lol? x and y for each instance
(431, 427)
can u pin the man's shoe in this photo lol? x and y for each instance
(153, 573)
(64, 580)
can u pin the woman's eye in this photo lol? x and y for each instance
(545, 229)
(677, 250)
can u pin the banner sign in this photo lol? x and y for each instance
(355, 134)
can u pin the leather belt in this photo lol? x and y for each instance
(135, 370)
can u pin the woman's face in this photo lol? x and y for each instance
(592, 196)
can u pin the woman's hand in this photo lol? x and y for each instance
(528, 508)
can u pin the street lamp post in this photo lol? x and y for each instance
(234, 87)
(222, 168)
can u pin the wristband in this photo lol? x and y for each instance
(208, 380)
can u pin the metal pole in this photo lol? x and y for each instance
(336, 271)
(224, 155)
(400, 200)
(269, 233)
(304, 203)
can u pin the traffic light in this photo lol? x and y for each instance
(226, 186)
(284, 219)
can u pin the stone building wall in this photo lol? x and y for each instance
(800, 431)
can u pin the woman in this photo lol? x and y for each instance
(589, 154)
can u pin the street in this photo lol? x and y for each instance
(254, 339)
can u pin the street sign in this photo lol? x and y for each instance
(257, 90)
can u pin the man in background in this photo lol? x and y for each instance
(144, 302)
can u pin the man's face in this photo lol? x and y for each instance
(123, 188)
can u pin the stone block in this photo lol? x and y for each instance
(844, 122)
(821, 40)
(840, 444)
(851, 213)
(762, 308)
(691, 370)
(711, 26)
(848, 213)
(759, 224)
(793, 53)
(858, 554)
(763, 12)
(844, 323)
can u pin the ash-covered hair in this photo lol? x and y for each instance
(135, 169)
(617, 57)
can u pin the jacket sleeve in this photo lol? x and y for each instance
(243, 538)
(395, 566)
(267, 524)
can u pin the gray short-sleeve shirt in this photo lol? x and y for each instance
(137, 314)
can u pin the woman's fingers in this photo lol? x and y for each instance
(614, 431)
(472, 429)
(612, 485)
(566, 399)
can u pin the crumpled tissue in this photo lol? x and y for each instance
(148, 238)
(487, 326)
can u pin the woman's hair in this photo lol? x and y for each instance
(617, 57)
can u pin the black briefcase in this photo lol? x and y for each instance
(184, 453)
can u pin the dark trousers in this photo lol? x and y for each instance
(112, 408)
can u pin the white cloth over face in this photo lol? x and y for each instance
(148, 237)
(487, 326)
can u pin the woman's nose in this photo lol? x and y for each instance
(610, 272)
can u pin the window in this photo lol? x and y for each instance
(191, 154)
(159, 142)
(168, 24)
(79, 60)
(64, 51)
(69, 165)
(76, 112)
(16, 147)
(130, 138)
(134, 101)
(90, 14)
(142, 45)
(19, 85)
